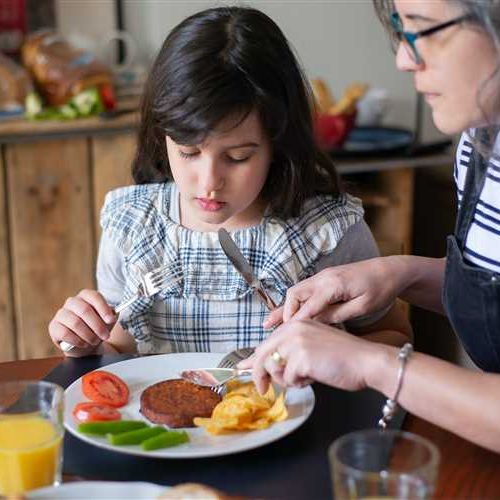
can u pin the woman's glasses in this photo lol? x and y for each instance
(409, 39)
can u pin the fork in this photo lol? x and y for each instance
(150, 284)
(231, 359)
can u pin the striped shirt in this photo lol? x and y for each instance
(212, 308)
(482, 245)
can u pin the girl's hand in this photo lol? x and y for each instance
(84, 321)
(312, 351)
(340, 293)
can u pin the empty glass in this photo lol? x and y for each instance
(375, 464)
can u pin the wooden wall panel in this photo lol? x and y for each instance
(393, 223)
(112, 164)
(7, 327)
(52, 233)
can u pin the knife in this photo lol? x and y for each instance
(241, 264)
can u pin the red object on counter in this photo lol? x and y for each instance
(332, 130)
(12, 25)
(108, 97)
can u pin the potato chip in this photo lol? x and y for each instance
(243, 408)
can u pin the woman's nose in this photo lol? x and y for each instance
(405, 59)
(212, 177)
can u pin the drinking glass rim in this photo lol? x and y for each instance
(43, 383)
(433, 451)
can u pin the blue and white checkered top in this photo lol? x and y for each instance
(212, 308)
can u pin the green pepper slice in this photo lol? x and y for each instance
(165, 440)
(136, 436)
(115, 427)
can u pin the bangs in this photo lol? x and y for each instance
(193, 113)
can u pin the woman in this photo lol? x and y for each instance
(452, 49)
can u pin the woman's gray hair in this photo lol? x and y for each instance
(485, 14)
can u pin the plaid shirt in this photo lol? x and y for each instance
(212, 308)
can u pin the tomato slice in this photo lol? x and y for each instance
(95, 412)
(106, 388)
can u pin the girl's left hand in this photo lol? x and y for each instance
(311, 351)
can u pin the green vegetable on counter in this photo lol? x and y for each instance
(86, 103)
(33, 105)
(136, 436)
(165, 440)
(114, 427)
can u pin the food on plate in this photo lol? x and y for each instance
(102, 428)
(192, 491)
(166, 439)
(136, 436)
(134, 432)
(243, 409)
(177, 402)
(104, 387)
(95, 412)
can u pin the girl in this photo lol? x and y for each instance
(452, 49)
(226, 116)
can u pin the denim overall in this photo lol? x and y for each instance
(471, 295)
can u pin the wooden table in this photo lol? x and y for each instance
(467, 471)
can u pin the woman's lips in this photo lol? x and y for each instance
(210, 205)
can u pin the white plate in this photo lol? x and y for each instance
(98, 490)
(139, 373)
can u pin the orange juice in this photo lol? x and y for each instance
(30, 451)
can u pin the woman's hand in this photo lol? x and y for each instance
(311, 351)
(340, 293)
(84, 321)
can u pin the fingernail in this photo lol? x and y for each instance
(110, 318)
(266, 323)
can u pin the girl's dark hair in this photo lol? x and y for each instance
(226, 62)
(485, 16)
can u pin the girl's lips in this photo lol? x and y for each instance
(210, 205)
(430, 96)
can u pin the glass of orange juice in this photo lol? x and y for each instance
(31, 432)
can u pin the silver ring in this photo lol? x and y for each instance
(278, 358)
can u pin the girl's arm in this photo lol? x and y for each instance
(120, 341)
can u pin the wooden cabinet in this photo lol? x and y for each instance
(112, 157)
(8, 350)
(51, 233)
(52, 185)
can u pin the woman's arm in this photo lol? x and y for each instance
(462, 401)
(421, 280)
(392, 329)
(338, 294)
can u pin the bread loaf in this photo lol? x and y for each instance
(60, 70)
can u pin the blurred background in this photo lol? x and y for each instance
(65, 142)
